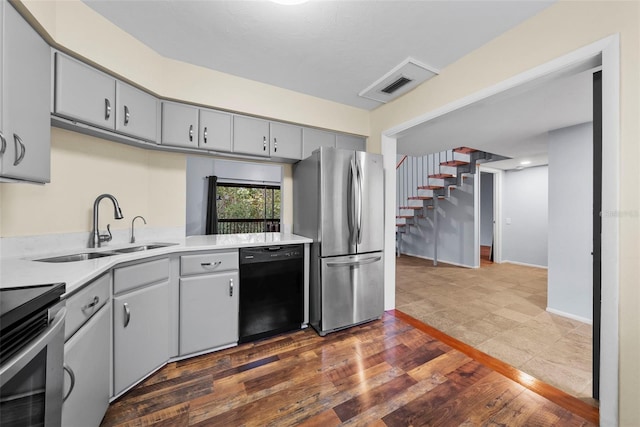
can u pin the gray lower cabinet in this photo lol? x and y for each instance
(286, 141)
(140, 334)
(351, 142)
(25, 125)
(208, 311)
(251, 136)
(209, 300)
(87, 372)
(312, 139)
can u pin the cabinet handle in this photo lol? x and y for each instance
(264, 143)
(107, 109)
(190, 132)
(127, 115)
(205, 135)
(230, 287)
(211, 266)
(23, 149)
(96, 300)
(3, 147)
(127, 314)
(275, 145)
(72, 377)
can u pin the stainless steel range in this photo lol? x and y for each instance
(31, 355)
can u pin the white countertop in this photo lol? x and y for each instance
(23, 271)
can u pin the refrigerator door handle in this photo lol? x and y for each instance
(358, 262)
(352, 207)
(359, 203)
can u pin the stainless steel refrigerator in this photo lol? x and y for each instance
(339, 203)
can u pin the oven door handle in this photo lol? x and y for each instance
(20, 360)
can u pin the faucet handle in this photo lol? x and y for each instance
(107, 237)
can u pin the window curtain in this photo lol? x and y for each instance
(212, 210)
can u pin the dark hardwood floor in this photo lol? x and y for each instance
(392, 372)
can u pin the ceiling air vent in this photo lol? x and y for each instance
(396, 85)
(400, 80)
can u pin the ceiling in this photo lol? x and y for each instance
(328, 49)
(514, 123)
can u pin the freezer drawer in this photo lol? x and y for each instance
(351, 290)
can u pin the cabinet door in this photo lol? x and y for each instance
(179, 125)
(140, 334)
(136, 113)
(84, 94)
(286, 141)
(351, 142)
(312, 139)
(251, 136)
(215, 131)
(86, 356)
(26, 81)
(208, 311)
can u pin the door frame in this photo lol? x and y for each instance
(608, 50)
(497, 213)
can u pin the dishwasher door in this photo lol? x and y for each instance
(271, 291)
(351, 290)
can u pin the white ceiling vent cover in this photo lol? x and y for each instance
(406, 76)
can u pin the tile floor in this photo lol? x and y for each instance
(500, 309)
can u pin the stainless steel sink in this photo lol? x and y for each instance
(143, 247)
(92, 255)
(77, 257)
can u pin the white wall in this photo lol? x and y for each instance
(486, 209)
(199, 167)
(570, 290)
(525, 216)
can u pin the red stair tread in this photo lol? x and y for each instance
(454, 163)
(441, 176)
(430, 187)
(420, 198)
(401, 225)
(404, 216)
(410, 207)
(464, 150)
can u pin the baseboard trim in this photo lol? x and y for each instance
(439, 261)
(524, 264)
(570, 316)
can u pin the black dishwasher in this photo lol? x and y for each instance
(271, 290)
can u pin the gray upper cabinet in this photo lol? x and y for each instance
(90, 96)
(26, 86)
(84, 93)
(286, 141)
(351, 142)
(215, 130)
(136, 112)
(251, 136)
(312, 139)
(179, 125)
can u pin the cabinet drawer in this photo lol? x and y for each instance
(84, 304)
(208, 263)
(138, 275)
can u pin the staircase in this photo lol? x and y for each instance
(421, 182)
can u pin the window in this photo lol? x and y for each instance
(244, 208)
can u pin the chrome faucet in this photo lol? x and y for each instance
(133, 237)
(96, 237)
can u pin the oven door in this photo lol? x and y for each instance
(31, 381)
